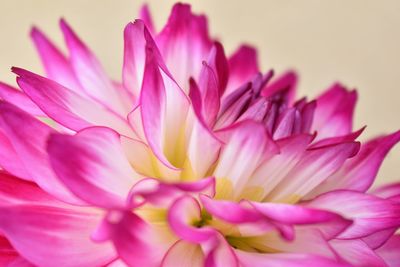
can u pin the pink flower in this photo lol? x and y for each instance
(194, 159)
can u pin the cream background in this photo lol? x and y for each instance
(356, 42)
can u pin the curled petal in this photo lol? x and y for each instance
(182, 216)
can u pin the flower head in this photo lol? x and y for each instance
(193, 159)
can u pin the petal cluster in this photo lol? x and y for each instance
(193, 158)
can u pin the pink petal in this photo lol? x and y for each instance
(285, 84)
(17, 191)
(90, 73)
(56, 65)
(357, 253)
(248, 259)
(184, 254)
(145, 15)
(184, 43)
(207, 94)
(274, 170)
(29, 148)
(134, 56)
(334, 113)
(93, 166)
(32, 228)
(244, 139)
(243, 66)
(390, 251)
(7, 252)
(219, 64)
(10, 161)
(137, 242)
(315, 166)
(359, 172)
(66, 107)
(391, 191)
(219, 253)
(164, 109)
(369, 213)
(18, 98)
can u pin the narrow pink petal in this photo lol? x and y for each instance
(145, 15)
(56, 65)
(357, 253)
(249, 259)
(89, 72)
(370, 214)
(134, 57)
(209, 94)
(29, 145)
(66, 107)
(93, 166)
(286, 84)
(334, 112)
(219, 64)
(19, 99)
(359, 172)
(184, 43)
(315, 166)
(184, 254)
(31, 229)
(390, 251)
(243, 66)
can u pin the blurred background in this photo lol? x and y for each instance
(355, 42)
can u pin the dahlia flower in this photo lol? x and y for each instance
(193, 159)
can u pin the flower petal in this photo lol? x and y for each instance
(249, 259)
(29, 148)
(164, 109)
(184, 254)
(243, 66)
(93, 166)
(56, 65)
(134, 57)
(145, 15)
(315, 166)
(90, 73)
(369, 213)
(359, 172)
(184, 43)
(66, 107)
(334, 112)
(31, 229)
(244, 139)
(19, 99)
(390, 251)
